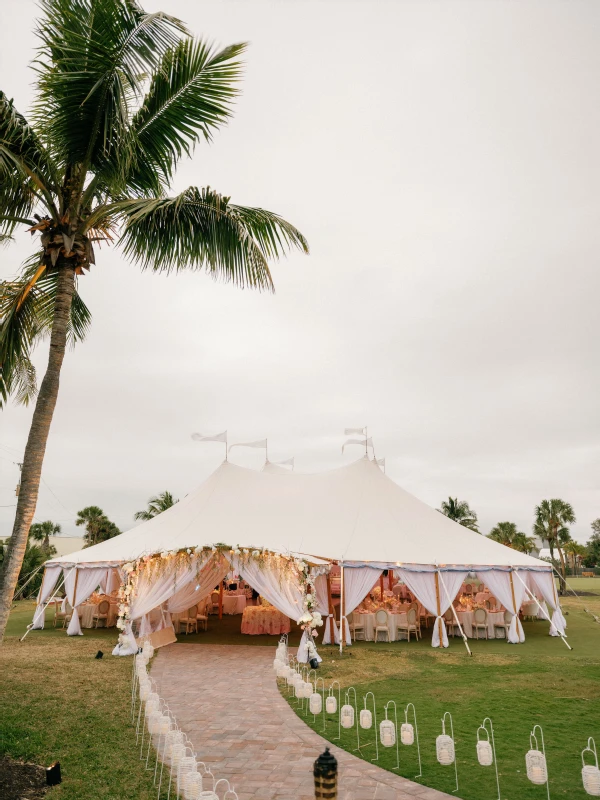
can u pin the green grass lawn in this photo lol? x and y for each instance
(58, 702)
(518, 686)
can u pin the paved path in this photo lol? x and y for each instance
(226, 700)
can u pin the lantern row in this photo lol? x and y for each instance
(303, 684)
(189, 778)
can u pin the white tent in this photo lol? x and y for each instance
(354, 515)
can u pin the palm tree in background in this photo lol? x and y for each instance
(551, 520)
(459, 511)
(576, 553)
(156, 505)
(42, 531)
(98, 527)
(121, 97)
(506, 533)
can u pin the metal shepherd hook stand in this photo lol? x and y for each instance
(483, 754)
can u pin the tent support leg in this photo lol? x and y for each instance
(342, 607)
(331, 610)
(437, 599)
(221, 600)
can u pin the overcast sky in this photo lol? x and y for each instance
(443, 160)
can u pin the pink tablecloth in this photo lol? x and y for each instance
(257, 620)
(86, 614)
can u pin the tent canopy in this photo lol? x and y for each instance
(354, 513)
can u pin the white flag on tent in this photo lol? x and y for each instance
(364, 442)
(257, 443)
(219, 437)
(352, 431)
(289, 462)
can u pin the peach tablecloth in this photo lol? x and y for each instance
(234, 603)
(86, 614)
(257, 620)
(368, 620)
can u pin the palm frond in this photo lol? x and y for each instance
(26, 315)
(200, 229)
(27, 173)
(190, 95)
(93, 60)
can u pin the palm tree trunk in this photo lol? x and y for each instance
(36, 444)
(563, 577)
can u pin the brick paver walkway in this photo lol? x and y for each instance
(226, 700)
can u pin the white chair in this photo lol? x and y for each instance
(356, 627)
(468, 588)
(215, 602)
(381, 624)
(504, 626)
(411, 624)
(480, 622)
(190, 620)
(491, 603)
(451, 625)
(202, 617)
(398, 590)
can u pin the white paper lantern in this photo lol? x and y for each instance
(277, 662)
(142, 659)
(282, 671)
(177, 753)
(347, 716)
(387, 733)
(537, 771)
(590, 775)
(186, 765)
(366, 719)
(444, 749)
(148, 650)
(192, 785)
(407, 733)
(152, 704)
(331, 704)
(308, 690)
(485, 754)
(299, 689)
(164, 725)
(145, 690)
(154, 721)
(173, 737)
(315, 705)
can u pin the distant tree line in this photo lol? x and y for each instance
(551, 524)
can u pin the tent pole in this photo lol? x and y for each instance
(512, 591)
(342, 607)
(381, 586)
(221, 600)
(75, 590)
(439, 613)
(544, 612)
(391, 579)
(331, 610)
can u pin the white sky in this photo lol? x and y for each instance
(443, 160)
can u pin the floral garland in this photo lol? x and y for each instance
(310, 619)
(183, 558)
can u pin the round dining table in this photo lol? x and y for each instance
(86, 613)
(395, 621)
(258, 620)
(234, 603)
(494, 618)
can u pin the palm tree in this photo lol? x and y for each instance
(506, 533)
(98, 527)
(459, 511)
(577, 552)
(121, 97)
(551, 520)
(156, 505)
(42, 531)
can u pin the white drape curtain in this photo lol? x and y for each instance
(79, 585)
(153, 588)
(423, 586)
(544, 581)
(278, 585)
(323, 609)
(111, 581)
(358, 582)
(499, 584)
(51, 575)
(195, 591)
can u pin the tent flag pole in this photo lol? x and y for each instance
(439, 613)
(541, 608)
(462, 633)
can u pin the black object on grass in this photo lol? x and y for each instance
(53, 776)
